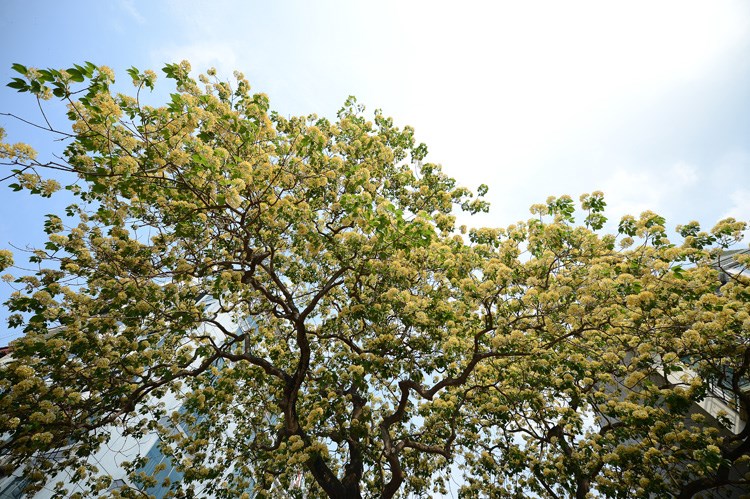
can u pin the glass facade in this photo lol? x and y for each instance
(155, 458)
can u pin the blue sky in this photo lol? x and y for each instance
(647, 101)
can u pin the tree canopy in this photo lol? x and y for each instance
(383, 350)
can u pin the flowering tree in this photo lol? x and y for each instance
(383, 351)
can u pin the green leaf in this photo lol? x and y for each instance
(75, 74)
(171, 70)
(199, 159)
(134, 73)
(47, 75)
(19, 85)
(19, 68)
(90, 68)
(627, 227)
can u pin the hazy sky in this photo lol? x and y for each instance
(648, 101)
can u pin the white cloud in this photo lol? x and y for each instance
(202, 55)
(740, 207)
(632, 191)
(539, 69)
(130, 8)
(683, 174)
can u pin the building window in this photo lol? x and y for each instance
(155, 458)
